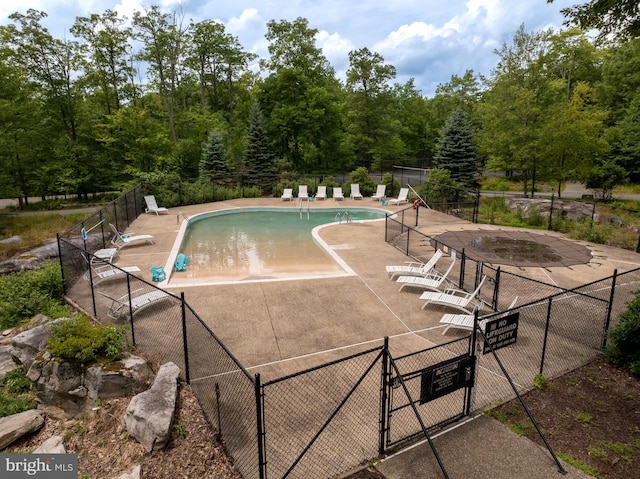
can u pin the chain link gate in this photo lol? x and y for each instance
(434, 383)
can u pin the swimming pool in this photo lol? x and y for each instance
(262, 244)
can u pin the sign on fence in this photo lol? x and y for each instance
(446, 377)
(501, 332)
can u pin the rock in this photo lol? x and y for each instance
(57, 378)
(149, 415)
(14, 427)
(28, 344)
(570, 210)
(6, 361)
(34, 258)
(53, 445)
(130, 375)
(135, 473)
(13, 240)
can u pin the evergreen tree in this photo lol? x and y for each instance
(456, 151)
(213, 164)
(258, 163)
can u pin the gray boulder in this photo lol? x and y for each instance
(6, 361)
(14, 427)
(66, 386)
(28, 344)
(113, 380)
(150, 414)
(135, 473)
(53, 445)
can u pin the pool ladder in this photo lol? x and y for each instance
(343, 216)
(183, 215)
(300, 202)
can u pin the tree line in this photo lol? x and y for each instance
(128, 101)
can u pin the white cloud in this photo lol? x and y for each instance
(426, 39)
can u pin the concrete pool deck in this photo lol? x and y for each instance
(279, 327)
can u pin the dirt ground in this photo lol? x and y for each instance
(591, 415)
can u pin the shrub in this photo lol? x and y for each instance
(16, 393)
(623, 348)
(362, 178)
(17, 382)
(27, 293)
(495, 184)
(81, 341)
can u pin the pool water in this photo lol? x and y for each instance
(262, 244)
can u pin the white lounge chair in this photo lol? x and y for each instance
(454, 298)
(355, 192)
(105, 271)
(138, 302)
(465, 321)
(402, 197)
(414, 268)
(431, 281)
(337, 194)
(302, 193)
(322, 193)
(120, 240)
(287, 195)
(152, 206)
(380, 190)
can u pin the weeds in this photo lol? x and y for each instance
(569, 459)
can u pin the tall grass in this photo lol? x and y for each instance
(34, 230)
(27, 293)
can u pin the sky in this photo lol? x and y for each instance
(427, 40)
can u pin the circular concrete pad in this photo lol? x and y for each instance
(517, 248)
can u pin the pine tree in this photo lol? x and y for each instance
(259, 159)
(456, 151)
(213, 164)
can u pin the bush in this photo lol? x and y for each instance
(495, 184)
(361, 177)
(16, 393)
(27, 293)
(81, 341)
(17, 382)
(623, 348)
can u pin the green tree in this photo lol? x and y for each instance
(514, 108)
(301, 99)
(214, 165)
(574, 135)
(416, 123)
(604, 177)
(619, 94)
(456, 150)
(623, 347)
(107, 72)
(619, 17)
(373, 132)
(259, 160)
(163, 38)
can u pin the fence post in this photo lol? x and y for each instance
(476, 212)
(262, 462)
(472, 353)
(546, 335)
(496, 290)
(383, 397)
(551, 212)
(64, 286)
(609, 308)
(133, 333)
(184, 337)
(408, 238)
(463, 262)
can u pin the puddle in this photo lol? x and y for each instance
(516, 250)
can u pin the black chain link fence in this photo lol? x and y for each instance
(333, 418)
(323, 421)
